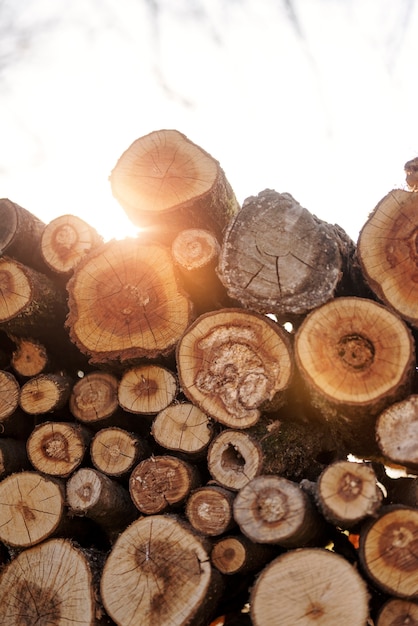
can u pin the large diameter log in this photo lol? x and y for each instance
(165, 183)
(388, 253)
(124, 303)
(31, 509)
(65, 241)
(388, 551)
(356, 357)
(233, 364)
(57, 448)
(396, 433)
(278, 258)
(50, 583)
(159, 572)
(115, 451)
(311, 586)
(275, 510)
(147, 389)
(184, 428)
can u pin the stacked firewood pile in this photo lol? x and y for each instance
(197, 424)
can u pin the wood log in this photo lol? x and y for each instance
(50, 583)
(356, 358)
(388, 554)
(236, 554)
(160, 483)
(147, 389)
(184, 428)
(233, 364)
(388, 253)
(32, 508)
(396, 429)
(125, 303)
(9, 395)
(348, 492)
(275, 510)
(65, 241)
(57, 448)
(30, 358)
(45, 393)
(165, 183)
(115, 451)
(209, 510)
(397, 611)
(93, 494)
(310, 585)
(234, 458)
(94, 397)
(278, 258)
(159, 572)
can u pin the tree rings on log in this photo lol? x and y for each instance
(237, 554)
(397, 433)
(124, 303)
(9, 395)
(311, 586)
(397, 611)
(147, 389)
(165, 183)
(94, 397)
(209, 510)
(279, 258)
(57, 448)
(388, 252)
(233, 364)
(45, 393)
(51, 583)
(183, 427)
(159, 572)
(115, 451)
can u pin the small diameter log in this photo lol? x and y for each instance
(50, 583)
(236, 554)
(57, 448)
(209, 510)
(388, 553)
(45, 393)
(311, 586)
(162, 482)
(347, 492)
(184, 428)
(275, 510)
(9, 395)
(397, 612)
(115, 451)
(30, 357)
(387, 252)
(195, 252)
(165, 183)
(159, 572)
(147, 389)
(125, 303)
(356, 358)
(31, 508)
(94, 397)
(396, 433)
(233, 364)
(65, 241)
(13, 456)
(234, 459)
(92, 494)
(279, 258)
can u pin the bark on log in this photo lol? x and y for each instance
(398, 612)
(160, 483)
(45, 393)
(165, 183)
(30, 358)
(159, 572)
(236, 554)
(57, 448)
(275, 510)
(94, 397)
(356, 358)
(125, 303)
(388, 253)
(32, 508)
(65, 241)
(279, 258)
(184, 428)
(115, 451)
(233, 364)
(388, 553)
(347, 492)
(396, 433)
(147, 389)
(209, 510)
(51, 583)
(311, 586)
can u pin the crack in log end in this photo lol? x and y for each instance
(55, 447)
(315, 611)
(398, 546)
(34, 604)
(26, 512)
(356, 352)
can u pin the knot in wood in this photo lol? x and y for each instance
(356, 352)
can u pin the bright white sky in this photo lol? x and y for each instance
(329, 117)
